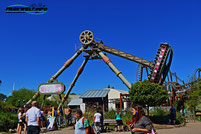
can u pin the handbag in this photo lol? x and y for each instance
(153, 131)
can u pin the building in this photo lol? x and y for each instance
(95, 98)
(117, 99)
(107, 99)
(75, 102)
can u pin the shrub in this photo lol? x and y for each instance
(8, 121)
(110, 114)
(160, 116)
(89, 116)
(179, 118)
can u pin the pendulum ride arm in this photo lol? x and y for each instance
(80, 70)
(114, 69)
(125, 55)
(159, 68)
(66, 65)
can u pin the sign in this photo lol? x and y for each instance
(51, 88)
(32, 9)
(82, 107)
(197, 113)
(50, 121)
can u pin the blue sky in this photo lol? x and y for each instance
(34, 47)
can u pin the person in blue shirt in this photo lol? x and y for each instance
(182, 111)
(119, 120)
(172, 115)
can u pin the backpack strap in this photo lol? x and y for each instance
(83, 119)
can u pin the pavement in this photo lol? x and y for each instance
(189, 128)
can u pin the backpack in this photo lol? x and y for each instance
(91, 131)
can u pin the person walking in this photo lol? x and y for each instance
(82, 124)
(119, 121)
(172, 115)
(97, 121)
(33, 119)
(182, 111)
(24, 120)
(102, 119)
(21, 121)
(141, 124)
(68, 116)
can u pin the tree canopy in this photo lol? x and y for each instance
(147, 93)
(194, 96)
(20, 97)
(2, 97)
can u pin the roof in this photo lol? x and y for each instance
(121, 91)
(75, 102)
(95, 94)
(74, 97)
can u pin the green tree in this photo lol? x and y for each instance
(194, 96)
(148, 94)
(108, 86)
(20, 97)
(2, 97)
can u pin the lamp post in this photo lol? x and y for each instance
(20, 102)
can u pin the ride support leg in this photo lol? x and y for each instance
(80, 70)
(114, 69)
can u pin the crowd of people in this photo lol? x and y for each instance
(141, 124)
(31, 120)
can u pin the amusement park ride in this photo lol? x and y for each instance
(156, 71)
(178, 90)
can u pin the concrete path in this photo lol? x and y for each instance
(190, 128)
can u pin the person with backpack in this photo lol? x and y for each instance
(82, 124)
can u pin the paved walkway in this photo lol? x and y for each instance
(190, 128)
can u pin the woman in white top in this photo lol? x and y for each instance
(20, 121)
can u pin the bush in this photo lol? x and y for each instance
(127, 117)
(110, 114)
(179, 118)
(8, 121)
(157, 116)
(160, 116)
(89, 116)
